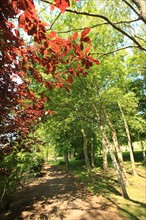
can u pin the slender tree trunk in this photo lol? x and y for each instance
(143, 152)
(55, 157)
(92, 153)
(104, 154)
(115, 164)
(118, 149)
(66, 161)
(114, 160)
(88, 167)
(134, 173)
(47, 153)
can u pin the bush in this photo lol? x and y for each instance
(15, 169)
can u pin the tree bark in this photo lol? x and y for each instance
(88, 167)
(118, 149)
(134, 173)
(92, 153)
(142, 7)
(66, 161)
(143, 151)
(115, 164)
(104, 154)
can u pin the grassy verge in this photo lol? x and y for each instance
(106, 184)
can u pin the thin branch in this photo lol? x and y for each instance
(43, 9)
(108, 21)
(111, 23)
(110, 52)
(139, 13)
(96, 25)
(54, 21)
(142, 8)
(140, 38)
(131, 6)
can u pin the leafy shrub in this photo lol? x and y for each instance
(15, 169)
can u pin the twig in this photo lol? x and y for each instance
(110, 52)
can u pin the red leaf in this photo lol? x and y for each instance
(52, 7)
(86, 39)
(70, 80)
(85, 32)
(87, 49)
(94, 60)
(48, 85)
(62, 4)
(53, 34)
(21, 21)
(59, 85)
(75, 36)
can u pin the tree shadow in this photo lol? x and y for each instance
(128, 211)
(56, 186)
(104, 185)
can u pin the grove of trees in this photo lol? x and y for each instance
(72, 83)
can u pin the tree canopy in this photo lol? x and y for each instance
(72, 74)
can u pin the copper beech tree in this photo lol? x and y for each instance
(62, 59)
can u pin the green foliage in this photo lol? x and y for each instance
(17, 168)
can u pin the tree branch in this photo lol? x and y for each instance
(142, 8)
(111, 23)
(96, 25)
(110, 52)
(55, 21)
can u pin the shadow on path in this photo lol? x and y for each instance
(57, 196)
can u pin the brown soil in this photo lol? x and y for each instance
(59, 196)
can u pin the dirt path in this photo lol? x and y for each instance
(59, 196)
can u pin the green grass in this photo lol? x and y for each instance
(106, 184)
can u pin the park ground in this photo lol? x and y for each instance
(61, 195)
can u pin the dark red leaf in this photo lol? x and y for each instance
(48, 85)
(86, 39)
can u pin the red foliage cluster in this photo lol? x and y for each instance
(49, 52)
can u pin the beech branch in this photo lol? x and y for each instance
(142, 8)
(96, 25)
(110, 52)
(141, 5)
(111, 23)
(54, 21)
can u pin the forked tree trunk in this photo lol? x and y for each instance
(92, 153)
(104, 154)
(115, 164)
(114, 160)
(88, 167)
(134, 173)
(118, 149)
